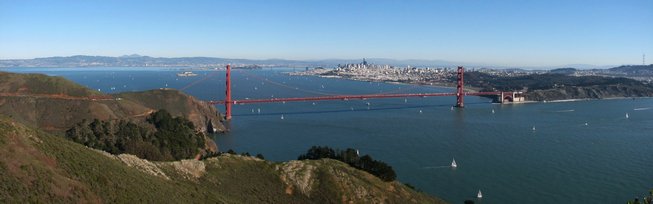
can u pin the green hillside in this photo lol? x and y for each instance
(55, 104)
(38, 167)
(41, 84)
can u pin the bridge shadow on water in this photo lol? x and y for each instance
(350, 110)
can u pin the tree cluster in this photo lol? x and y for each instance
(173, 138)
(230, 151)
(350, 156)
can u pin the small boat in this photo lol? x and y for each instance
(533, 128)
(420, 111)
(479, 194)
(586, 124)
(451, 107)
(492, 111)
(258, 110)
(453, 163)
(282, 117)
(313, 103)
(186, 74)
(405, 100)
(627, 116)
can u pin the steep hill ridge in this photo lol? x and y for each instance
(56, 104)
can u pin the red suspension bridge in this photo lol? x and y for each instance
(460, 93)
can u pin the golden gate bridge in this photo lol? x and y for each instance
(460, 93)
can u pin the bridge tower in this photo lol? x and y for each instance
(227, 100)
(460, 92)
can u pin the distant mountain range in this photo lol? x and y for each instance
(135, 60)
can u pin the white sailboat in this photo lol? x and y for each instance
(453, 163)
(282, 117)
(533, 128)
(626, 115)
(492, 111)
(420, 111)
(479, 194)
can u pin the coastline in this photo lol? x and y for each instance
(594, 99)
(439, 85)
(475, 89)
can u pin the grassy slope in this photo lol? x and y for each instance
(38, 167)
(41, 84)
(57, 115)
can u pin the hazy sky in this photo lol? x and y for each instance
(516, 33)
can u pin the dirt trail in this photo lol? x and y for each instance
(61, 96)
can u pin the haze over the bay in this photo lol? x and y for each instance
(505, 33)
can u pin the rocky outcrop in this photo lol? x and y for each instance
(297, 175)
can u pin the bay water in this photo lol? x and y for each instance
(566, 152)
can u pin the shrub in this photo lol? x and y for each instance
(350, 156)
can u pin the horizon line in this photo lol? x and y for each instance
(472, 64)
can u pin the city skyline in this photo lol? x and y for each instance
(508, 33)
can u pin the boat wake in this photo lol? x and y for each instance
(639, 109)
(436, 167)
(564, 111)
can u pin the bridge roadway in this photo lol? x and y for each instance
(347, 97)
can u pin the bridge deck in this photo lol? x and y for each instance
(347, 97)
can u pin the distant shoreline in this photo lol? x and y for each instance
(472, 89)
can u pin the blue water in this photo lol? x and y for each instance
(609, 160)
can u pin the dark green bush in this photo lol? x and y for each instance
(350, 156)
(174, 138)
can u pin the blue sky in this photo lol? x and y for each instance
(512, 33)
